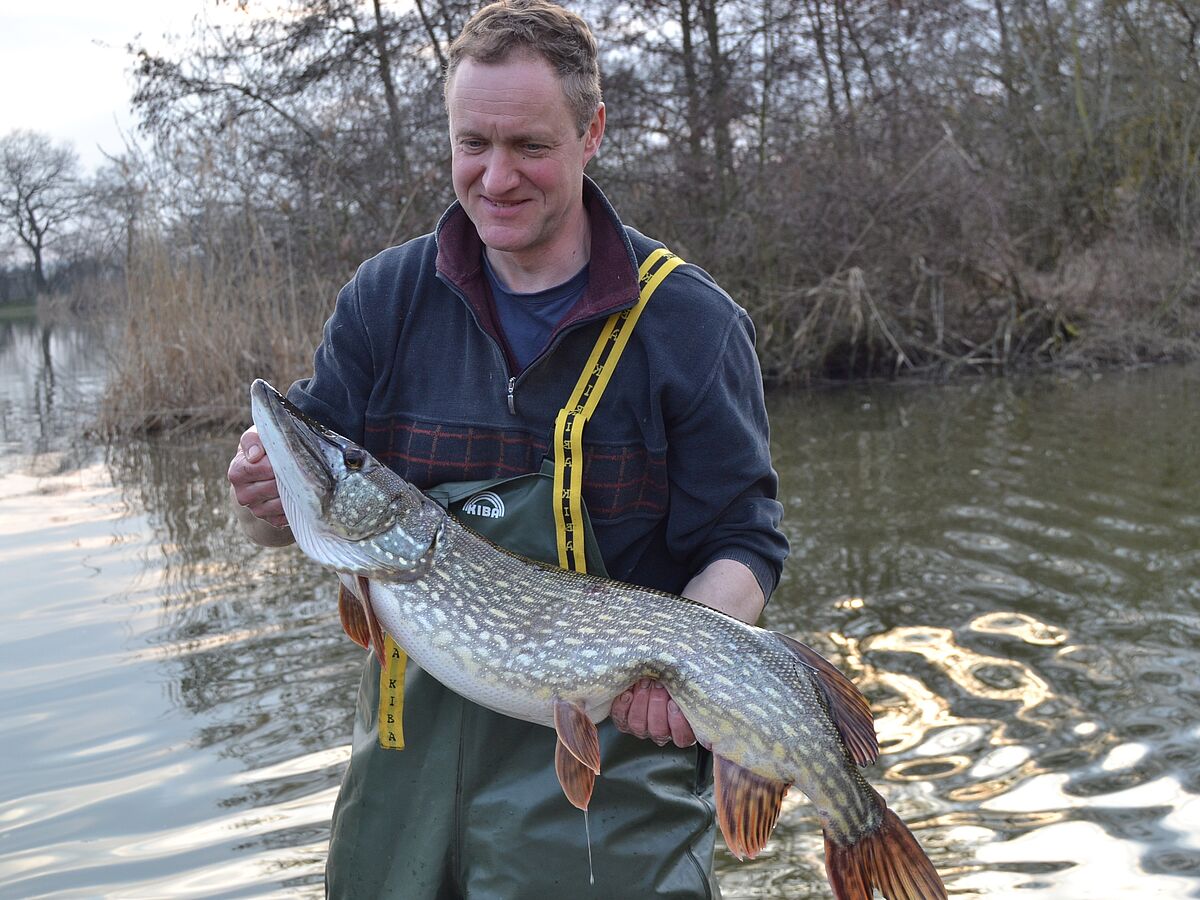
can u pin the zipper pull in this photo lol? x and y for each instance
(512, 405)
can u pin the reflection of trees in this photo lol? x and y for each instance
(51, 376)
(8, 335)
(252, 636)
(44, 382)
(1000, 566)
(255, 631)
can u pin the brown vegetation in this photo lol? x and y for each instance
(923, 188)
(195, 332)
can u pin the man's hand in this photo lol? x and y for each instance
(646, 710)
(255, 493)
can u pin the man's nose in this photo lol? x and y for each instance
(500, 174)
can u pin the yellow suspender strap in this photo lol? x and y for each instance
(391, 695)
(568, 474)
(568, 426)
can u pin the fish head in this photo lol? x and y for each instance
(346, 509)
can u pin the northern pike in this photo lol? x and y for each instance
(556, 648)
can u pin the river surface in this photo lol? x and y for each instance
(1009, 569)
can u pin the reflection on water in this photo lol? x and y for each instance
(50, 375)
(1010, 571)
(176, 704)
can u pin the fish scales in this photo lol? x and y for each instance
(556, 648)
(539, 663)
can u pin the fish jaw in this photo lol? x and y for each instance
(346, 510)
(304, 477)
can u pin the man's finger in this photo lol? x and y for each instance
(250, 438)
(244, 472)
(253, 455)
(637, 710)
(254, 493)
(656, 715)
(620, 711)
(681, 730)
(271, 511)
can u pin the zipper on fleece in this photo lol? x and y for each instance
(512, 379)
(555, 339)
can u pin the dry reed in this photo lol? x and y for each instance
(195, 330)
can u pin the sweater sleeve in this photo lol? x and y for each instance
(337, 392)
(723, 488)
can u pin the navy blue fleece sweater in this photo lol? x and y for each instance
(677, 470)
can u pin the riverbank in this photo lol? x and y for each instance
(189, 336)
(17, 312)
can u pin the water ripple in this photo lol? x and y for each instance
(1013, 578)
(1009, 570)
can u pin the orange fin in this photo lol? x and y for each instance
(747, 806)
(849, 709)
(373, 628)
(576, 778)
(888, 858)
(354, 622)
(577, 733)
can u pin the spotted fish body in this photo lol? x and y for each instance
(556, 648)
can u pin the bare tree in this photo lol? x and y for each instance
(884, 184)
(37, 192)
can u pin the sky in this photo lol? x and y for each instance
(65, 71)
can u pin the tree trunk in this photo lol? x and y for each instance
(692, 86)
(818, 26)
(718, 94)
(395, 127)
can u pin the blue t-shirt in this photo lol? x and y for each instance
(528, 320)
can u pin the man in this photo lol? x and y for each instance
(448, 358)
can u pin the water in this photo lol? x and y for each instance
(1010, 570)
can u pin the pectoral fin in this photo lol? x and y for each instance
(354, 621)
(748, 806)
(373, 627)
(849, 709)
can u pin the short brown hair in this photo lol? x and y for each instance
(544, 29)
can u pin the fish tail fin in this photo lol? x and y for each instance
(888, 858)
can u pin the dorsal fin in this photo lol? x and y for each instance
(748, 806)
(849, 708)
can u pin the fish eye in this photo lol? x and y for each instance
(354, 457)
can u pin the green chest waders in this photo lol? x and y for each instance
(464, 802)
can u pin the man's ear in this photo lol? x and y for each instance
(593, 135)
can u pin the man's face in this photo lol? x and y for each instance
(518, 160)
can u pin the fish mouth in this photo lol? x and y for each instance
(308, 460)
(295, 443)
